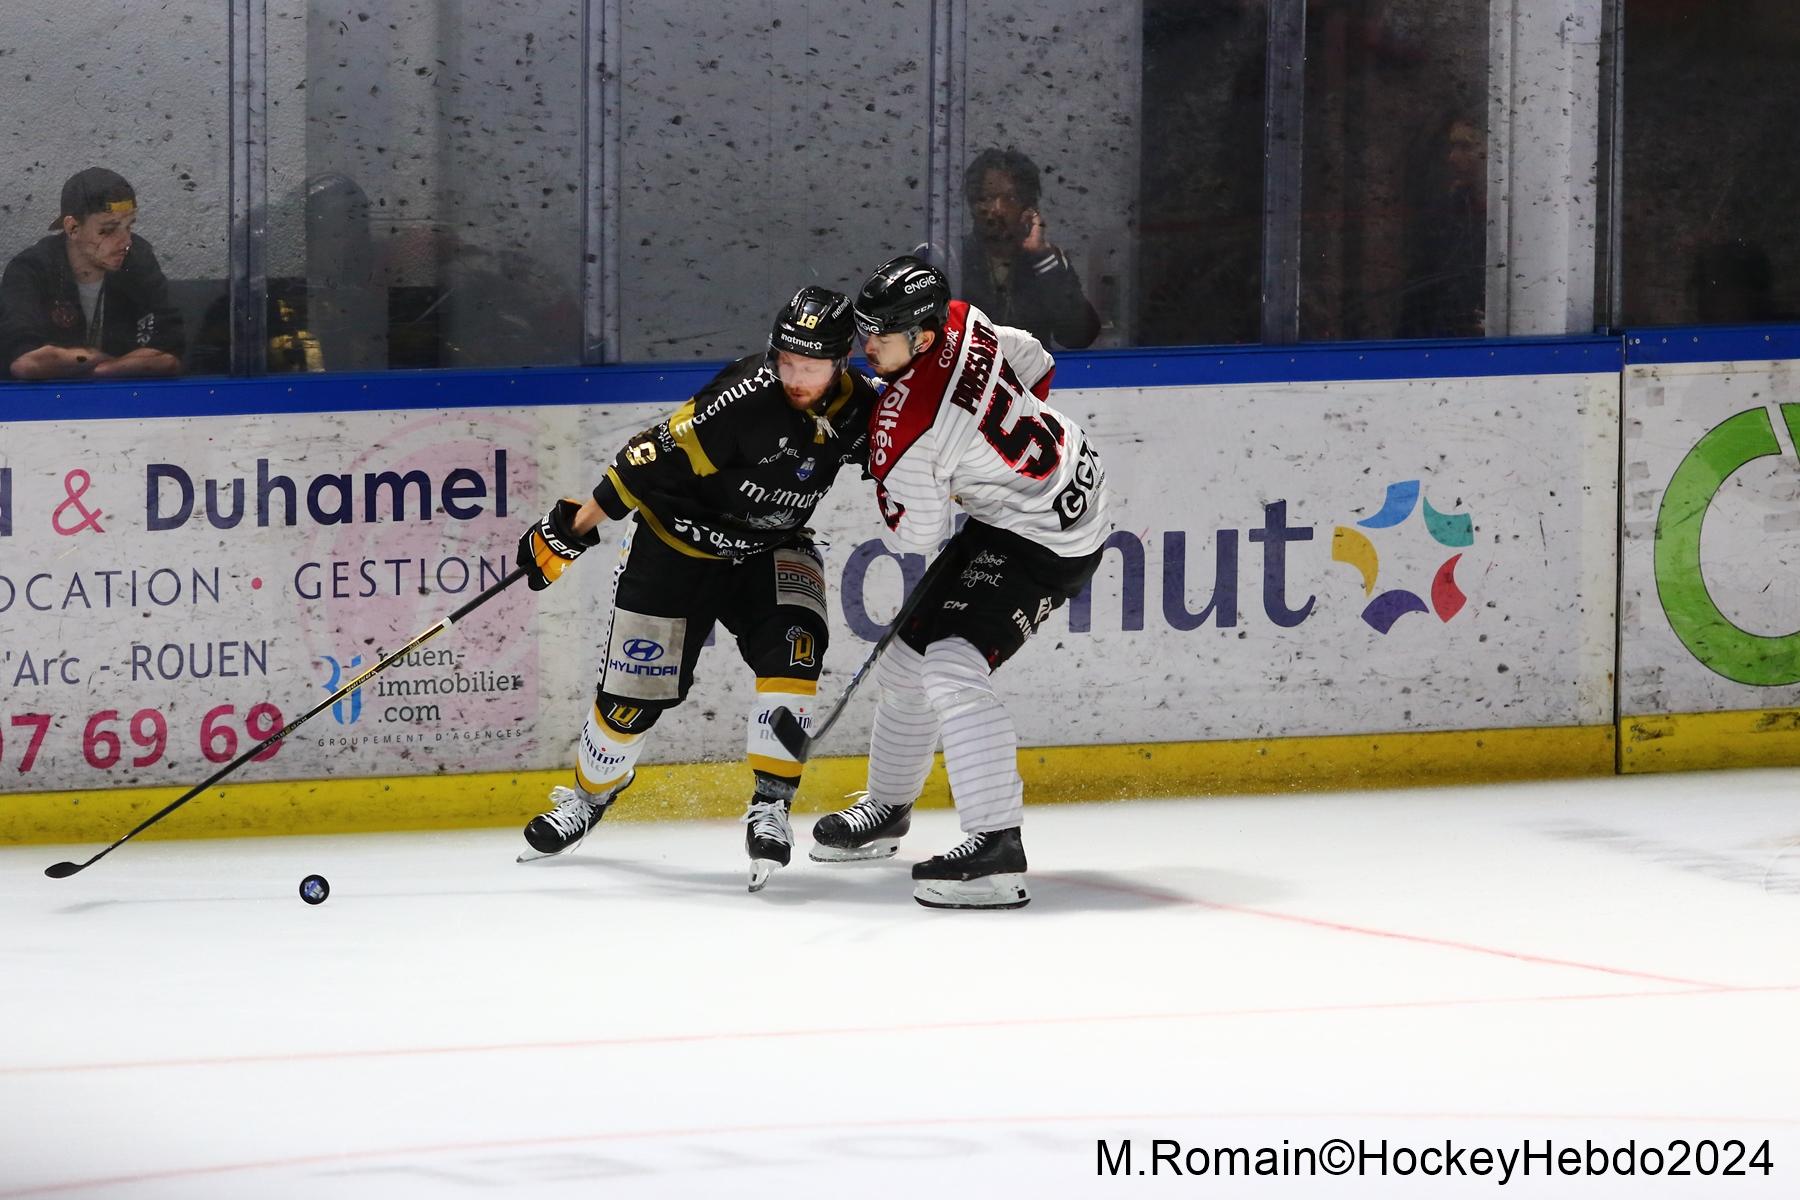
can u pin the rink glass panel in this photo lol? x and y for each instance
(1066, 91)
(534, 182)
(1710, 178)
(758, 156)
(424, 182)
(140, 90)
(1194, 268)
(1394, 181)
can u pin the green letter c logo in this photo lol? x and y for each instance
(1709, 634)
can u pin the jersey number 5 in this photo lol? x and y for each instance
(1033, 446)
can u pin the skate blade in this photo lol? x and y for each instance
(991, 891)
(760, 870)
(875, 851)
(535, 855)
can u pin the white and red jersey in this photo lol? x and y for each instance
(968, 422)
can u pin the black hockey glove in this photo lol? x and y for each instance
(551, 544)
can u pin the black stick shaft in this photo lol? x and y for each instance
(837, 710)
(787, 726)
(63, 870)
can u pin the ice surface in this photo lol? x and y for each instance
(1604, 961)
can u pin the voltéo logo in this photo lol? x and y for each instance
(1447, 529)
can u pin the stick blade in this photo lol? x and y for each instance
(61, 870)
(789, 733)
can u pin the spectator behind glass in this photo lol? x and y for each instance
(1446, 234)
(331, 318)
(89, 299)
(1010, 270)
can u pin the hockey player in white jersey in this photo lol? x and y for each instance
(963, 422)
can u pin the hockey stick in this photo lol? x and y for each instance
(788, 731)
(63, 870)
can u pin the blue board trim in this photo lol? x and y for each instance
(669, 384)
(1712, 343)
(351, 392)
(1339, 361)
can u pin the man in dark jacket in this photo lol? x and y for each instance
(90, 299)
(1010, 270)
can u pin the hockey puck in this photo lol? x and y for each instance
(314, 889)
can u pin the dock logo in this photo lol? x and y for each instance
(353, 700)
(1352, 546)
(801, 648)
(1716, 640)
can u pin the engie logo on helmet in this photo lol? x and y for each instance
(643, 650)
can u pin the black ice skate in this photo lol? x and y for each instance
(986, 871)
(866, 830)
(574, 814)
(767, 837)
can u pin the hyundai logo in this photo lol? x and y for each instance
(643, 650)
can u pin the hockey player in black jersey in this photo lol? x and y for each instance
(718, 496)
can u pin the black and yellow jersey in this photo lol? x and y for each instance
(736, 470)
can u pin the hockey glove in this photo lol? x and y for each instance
(551, 544)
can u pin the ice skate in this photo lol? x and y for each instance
(865, 831)
(573, 814)
(986, 871)
(767, 837)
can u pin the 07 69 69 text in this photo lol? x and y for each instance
(109, 738)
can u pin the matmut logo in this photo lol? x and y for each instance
(1447, 529)
(887, 419)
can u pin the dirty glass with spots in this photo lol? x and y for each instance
(140, 89)
(425, 184)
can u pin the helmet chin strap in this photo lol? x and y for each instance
(816, 410)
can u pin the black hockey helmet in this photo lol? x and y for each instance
(815, 324)
(902, 294)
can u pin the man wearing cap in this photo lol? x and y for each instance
(89, 299)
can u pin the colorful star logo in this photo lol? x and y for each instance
(1448, 529)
